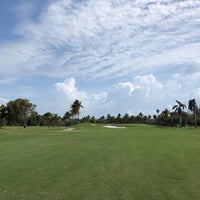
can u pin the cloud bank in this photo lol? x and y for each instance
(97, 39)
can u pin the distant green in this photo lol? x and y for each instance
(97, 163)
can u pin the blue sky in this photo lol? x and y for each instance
(116, 56)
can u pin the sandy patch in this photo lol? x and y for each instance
(114, 126)
(68, 129)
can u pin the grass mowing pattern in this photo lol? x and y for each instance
(139, 162)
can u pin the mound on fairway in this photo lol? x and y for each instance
(138, 162)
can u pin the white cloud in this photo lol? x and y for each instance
(126, 85)
(148, 84)
(68, 92)
(145, 93)
(69, 89)
(139, 95)
(105, 38)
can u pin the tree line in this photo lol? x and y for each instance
(21, 112)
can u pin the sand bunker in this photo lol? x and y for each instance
(114, 126)
(69, 129)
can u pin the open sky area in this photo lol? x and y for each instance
(115, 56)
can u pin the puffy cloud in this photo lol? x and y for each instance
(68, 92)
(69, 89)
(126, 85)
(138, 95)
(149, 84)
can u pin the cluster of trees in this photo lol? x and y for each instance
(176, 117)
(22, 112)
(16, 112)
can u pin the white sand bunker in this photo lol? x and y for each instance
(114, 126)
(68, 129)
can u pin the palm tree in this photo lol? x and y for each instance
(75, 109)
(158, 116)
(192, 107)
(178, 109)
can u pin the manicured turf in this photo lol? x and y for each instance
(138, 162)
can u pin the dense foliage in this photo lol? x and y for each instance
(22, 112)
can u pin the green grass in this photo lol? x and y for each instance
(138, 162)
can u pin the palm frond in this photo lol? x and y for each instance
(174, 107)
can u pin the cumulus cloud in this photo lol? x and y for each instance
(69, 89)
(68, 92)
(126, 85)
(138, 95)
(149, 84)
(150, 93)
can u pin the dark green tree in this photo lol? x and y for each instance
(118, 119)
(3, 115)
(47, 119)
(126, 118)
(19, 110)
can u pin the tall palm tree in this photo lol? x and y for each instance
(157, 110)
(192, 107)
(179, 109)
(75, 109)
(158, 117)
